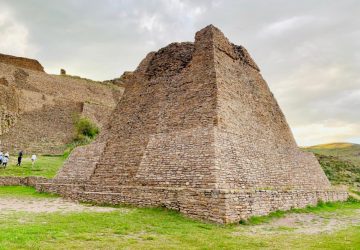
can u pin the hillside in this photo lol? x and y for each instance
(37, 113)
(340, 161)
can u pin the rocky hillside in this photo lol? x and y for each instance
(37, 110)
(340, 161)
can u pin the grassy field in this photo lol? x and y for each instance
(157, 228)
(23, 192)
(46, 166)
(344, 151)
(145, 228)
(340, 161)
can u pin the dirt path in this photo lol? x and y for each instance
(305, 223)
(47, 205)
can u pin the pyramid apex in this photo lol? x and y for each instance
(210, 27)
(209, 30)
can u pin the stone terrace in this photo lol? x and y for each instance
(37, 115)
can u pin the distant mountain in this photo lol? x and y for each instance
(340, 161)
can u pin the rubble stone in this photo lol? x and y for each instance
(21, 62)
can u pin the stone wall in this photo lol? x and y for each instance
(216, 205)
(37, 115)
(22, 181)
(247, 164)
(168, 95)
(98, 114)
(9, 106)
(197, 130)
(81, 163)
(21, 62)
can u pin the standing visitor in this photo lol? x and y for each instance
(1, 157)
(5, 160)
(33, 159)
(19, 158)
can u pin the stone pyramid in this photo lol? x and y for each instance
(197, 130)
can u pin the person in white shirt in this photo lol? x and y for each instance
(33, 159)
(5, 160)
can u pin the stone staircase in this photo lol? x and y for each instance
(81, 163)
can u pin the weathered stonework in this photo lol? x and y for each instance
(197, 130)
(9, 106)
(37, 110)
(21, 62)
(22, 181)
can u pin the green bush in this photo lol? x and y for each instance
(85, 129)
(339, 171)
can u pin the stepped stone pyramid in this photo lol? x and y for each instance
(197, 130)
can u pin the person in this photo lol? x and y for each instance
(1, 157)
(33, 159)
(19, 158)
(5, 160)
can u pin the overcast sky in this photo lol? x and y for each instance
(308, 51)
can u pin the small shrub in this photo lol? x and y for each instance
(85, 133)
(85, 129)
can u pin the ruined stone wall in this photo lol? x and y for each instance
(45, 130)
(245, 165)
(184, 158)
(98, 114)
(262, 202)
(254, 144)
(38, 114)
(216, 205)
(81, 164)
(197, 130)
(22, 181)
(21, 62)
(9, 106)
(166, 95)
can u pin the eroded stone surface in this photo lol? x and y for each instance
(37, 110)
(21, 62)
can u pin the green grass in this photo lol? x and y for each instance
(150, 229)
(340, 161)
(320, 208)
(156, 228)
(344, 151)
(339, 171)
(45, 166)
(22, 192)
(356, 192)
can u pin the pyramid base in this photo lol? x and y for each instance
(216, 205)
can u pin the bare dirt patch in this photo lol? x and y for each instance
(48, 205)
(305, 223)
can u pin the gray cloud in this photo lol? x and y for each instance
(309, 51)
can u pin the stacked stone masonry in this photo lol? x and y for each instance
(21, 62)
(22, 181)
(197, 130)
(37, 110)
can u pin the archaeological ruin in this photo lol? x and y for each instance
(37, 109)
(196, 130)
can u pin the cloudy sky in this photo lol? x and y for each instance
(308, 51)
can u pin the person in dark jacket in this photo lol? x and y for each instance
(19, 158)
